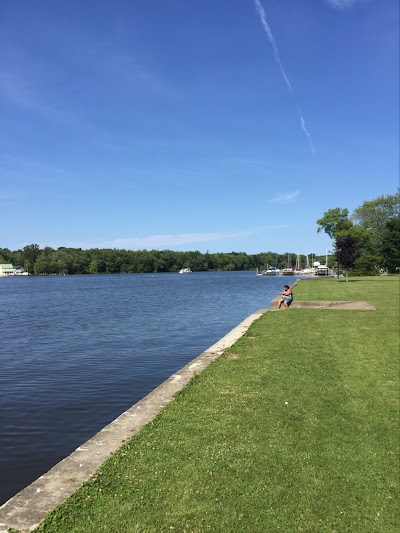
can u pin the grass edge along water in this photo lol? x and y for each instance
(295, 428)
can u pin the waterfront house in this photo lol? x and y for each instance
(7, 269)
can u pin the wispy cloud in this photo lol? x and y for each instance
(165, 241)
(343, 4)
(267, 29)
(285, 198)
(170, 240)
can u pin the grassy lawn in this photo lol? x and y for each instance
(296, 428)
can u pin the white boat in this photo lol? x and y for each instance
(185, 271)
(323, 270)
(271, 271)
(288, 271)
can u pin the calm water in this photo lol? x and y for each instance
(77, 351)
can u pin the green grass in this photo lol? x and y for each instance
(294, 429)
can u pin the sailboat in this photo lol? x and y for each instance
(272, 270)
(297, 268)
(307, 270)
(324, 270)
(288, 271)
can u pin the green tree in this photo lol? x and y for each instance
(93, 266)
(334, 221)
(347, 249)
(390, 245)
(375, 214)
(30, 254)
(41, 265)
(366, 264)
(6, 255)
(365, 232)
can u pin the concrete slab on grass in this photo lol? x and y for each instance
(352, 306)
(327, 304)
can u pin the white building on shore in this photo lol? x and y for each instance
(7, 269)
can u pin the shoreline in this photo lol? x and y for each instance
(29, 507)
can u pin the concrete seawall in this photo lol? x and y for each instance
(27, 509)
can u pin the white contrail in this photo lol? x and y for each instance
(303, 127)
(261, 12)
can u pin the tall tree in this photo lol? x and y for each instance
(390, 245)
(30, 254)
(375, 214)
(373, 217)
(347, 248)
(334, 221)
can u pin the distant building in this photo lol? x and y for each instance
(7, 269)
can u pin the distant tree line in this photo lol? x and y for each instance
(368, 241)
(62, 260)
(365, 243)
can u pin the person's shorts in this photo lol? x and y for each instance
(287, 299)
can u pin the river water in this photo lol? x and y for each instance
(77, 351)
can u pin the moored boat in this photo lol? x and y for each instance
(271, 271)
(288, 271)
(323, 270)
(297, 269)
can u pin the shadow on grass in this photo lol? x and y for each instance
(349, 280)
(397, 279)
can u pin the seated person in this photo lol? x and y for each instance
(286, 298)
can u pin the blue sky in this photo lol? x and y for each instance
(214, 125)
